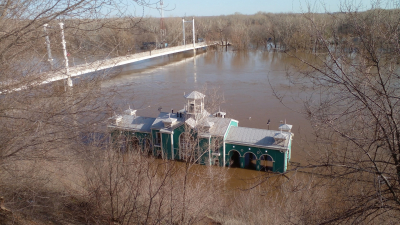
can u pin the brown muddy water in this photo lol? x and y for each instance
(247, 81)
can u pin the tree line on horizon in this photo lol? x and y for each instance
(266, 31)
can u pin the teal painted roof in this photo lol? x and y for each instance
(256, 137)
(136, 123)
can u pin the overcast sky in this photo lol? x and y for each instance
(180, 8)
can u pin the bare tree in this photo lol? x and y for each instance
(44, 127)
(356, 115)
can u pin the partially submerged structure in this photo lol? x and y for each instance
(201, 137)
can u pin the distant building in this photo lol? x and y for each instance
(194, 134)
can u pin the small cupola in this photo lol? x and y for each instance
(191, 122)
(194, 102)
(280, 138)
(208, 125)
(220, 113)
(117, 119)
(285, 127)
(169, 121)
(130, 112)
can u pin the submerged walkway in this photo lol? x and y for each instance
(118, 61)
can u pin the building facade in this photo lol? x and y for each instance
(193, 134)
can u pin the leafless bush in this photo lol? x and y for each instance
(355, 116)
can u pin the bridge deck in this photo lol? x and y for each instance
(118, 61)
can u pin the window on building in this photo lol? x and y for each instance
(216, 146)
(158, 138)
(146, 143)
(191, 109)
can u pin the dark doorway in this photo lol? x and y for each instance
(250, 161)
(147, 147)
(135, 144)
(234, 160)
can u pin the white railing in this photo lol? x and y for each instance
(78, 70)
(122, 60)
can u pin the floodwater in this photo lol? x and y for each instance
(247, 80)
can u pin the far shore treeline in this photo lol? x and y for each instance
(264, 31)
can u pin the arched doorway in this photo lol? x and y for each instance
(234, 159)
(266, 163)
(135, 144)
(147, 147)
(250, 161)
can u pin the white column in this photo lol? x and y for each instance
(194, 36)
(224, 152)
(161, 146)
(69, 81)
(209, 150)
(172, 146)
(48, 46)
(183, 26)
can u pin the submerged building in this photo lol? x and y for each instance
(196, 135)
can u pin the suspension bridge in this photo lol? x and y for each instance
(68, 73)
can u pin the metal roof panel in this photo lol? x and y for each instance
(137, 123)
(254, 136)
(195, 95)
